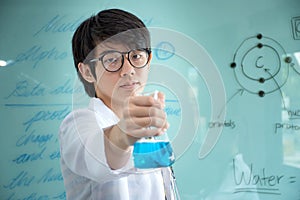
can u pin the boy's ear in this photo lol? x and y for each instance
(150, 58)
(86, 73)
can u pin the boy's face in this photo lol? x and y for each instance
(115, 87)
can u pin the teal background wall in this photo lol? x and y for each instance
(235, 128)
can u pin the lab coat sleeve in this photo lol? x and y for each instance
(82, 148)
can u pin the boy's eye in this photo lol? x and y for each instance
(112, 58)
(136, 56)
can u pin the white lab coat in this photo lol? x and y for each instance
(84, 167)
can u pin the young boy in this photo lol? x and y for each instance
(112, 56)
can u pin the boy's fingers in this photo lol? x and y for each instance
(147, 101)
(145, 122)
(146, 112)
(161, 98)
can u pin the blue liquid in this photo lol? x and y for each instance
(153, 154)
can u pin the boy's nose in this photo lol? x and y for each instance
(127, 68)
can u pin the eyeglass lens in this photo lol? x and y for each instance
(113, 61)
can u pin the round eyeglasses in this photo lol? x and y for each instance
(113, 60)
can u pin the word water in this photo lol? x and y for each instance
(153, 154)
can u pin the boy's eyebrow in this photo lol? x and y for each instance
(108, 51)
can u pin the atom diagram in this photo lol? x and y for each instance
(261, 65)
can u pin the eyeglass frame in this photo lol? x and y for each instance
(148, 51)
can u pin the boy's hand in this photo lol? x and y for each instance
(142, 112)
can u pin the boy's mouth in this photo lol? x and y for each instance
(130, 84)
